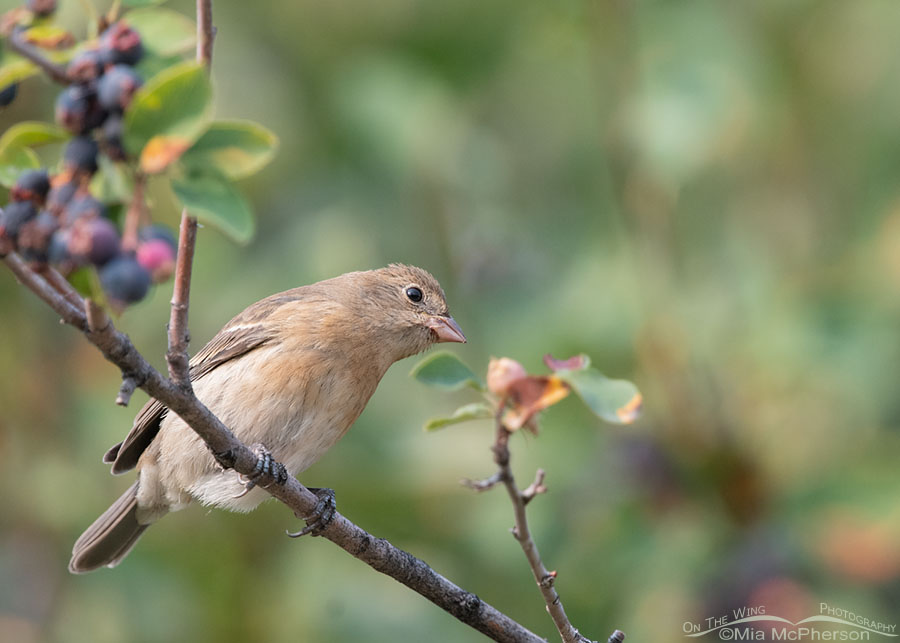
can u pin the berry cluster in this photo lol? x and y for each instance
(103, 84)
(55, 219)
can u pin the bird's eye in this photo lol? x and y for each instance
(414, 294)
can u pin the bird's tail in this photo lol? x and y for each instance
(111, 537)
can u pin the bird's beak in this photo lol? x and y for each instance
(446, 329)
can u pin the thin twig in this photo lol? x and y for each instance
(27, 50)
(482, 485)
(97, 320)
(62, 285)
(129, 384)
(39, 286)
(134, 215)
(535, 488)
(544, 578)
(179, 335)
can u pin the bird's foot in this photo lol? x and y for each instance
(321, 516)
(266, 472)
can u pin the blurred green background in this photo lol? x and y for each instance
(702, 196)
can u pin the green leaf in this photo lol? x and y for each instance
(141, 3)
(170, 111)
(15, 159)
(32, 134)
(616, 401)
(15, 69)
(163, 32)
(474, 411)
(214, 200)
(236, 148)
(445, 370)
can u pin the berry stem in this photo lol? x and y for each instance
(18, 44)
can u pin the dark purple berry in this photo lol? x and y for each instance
(117, 86)
(41, 7)
(35, 235)
(83, 206)
(122, 44)
(33, 185)
(158, 231)
(86, 66)
(15, 216)
(58, 250)
(81, 154)
(124, 279)
(112, 138)
(60, 195)
(8, 94)
(77, 109)
(93, 241)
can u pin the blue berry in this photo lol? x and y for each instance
(81, 154)
(117, 86)
(32, 185)
(8, 94)
(124, 280)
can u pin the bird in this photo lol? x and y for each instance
(290, 374)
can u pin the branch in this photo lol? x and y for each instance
(545, 579)
(32, 53)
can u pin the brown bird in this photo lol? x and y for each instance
(291, 373)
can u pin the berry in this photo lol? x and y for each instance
(86, 66)
(58, 250)
(8, 94)
(158, 231)
(83, 206)
(117, 86)
(77, 109)
(15, 216)
(60, 195)
(33, 185)
(81, 154)
(158, 257)
(124, 279)
(122, 44)
(41, 7)
(93, 241)
(35, 235)
(112, 138)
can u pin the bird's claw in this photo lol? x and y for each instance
(321, 516)
(266, 467)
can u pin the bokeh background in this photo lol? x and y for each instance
(702, 196)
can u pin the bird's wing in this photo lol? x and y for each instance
(232, 342)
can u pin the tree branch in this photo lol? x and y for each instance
(25, 49)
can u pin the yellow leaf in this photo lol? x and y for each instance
(162, 151)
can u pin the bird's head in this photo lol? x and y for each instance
(403, 307)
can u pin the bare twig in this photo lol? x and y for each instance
(482, 485)
(179, 336)
(206, 32)
(61, 285)
(535, 488)
(39, 286)
(129, 384)
(25, 49)
(134, 215)
(544, 578)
